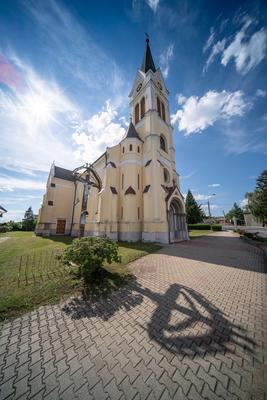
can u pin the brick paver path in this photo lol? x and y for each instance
(191, 326)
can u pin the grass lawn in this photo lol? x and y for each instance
(198, 232)
(40, 284)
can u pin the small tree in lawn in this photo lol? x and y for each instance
(194, 213)
(90, 254)
(29, 221)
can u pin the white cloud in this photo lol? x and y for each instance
(98, 132)
(181, 99)
(40, 124)
(210, 40)
(8, 184)
(216, 49)
(239, 140)
(247, 50)
(21, 198)
(198, 113)
(35, 121)
(212, 207)
(246, 55)
(165, 58)
(200, 197)
(189, 175)
(76, 52)
(153, 4)
(214, 185)
(261, 93)
(13, 215)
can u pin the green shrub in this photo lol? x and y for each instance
(203, 227)
(89, 254)
(240, 231)
(3, 229)
(216, 228)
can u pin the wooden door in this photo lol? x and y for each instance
(61, 224)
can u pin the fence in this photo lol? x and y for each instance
(41, 266)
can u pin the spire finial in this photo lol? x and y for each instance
(147, 37)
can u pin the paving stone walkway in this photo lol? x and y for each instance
(193, 325)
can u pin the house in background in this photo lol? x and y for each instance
(132, 191)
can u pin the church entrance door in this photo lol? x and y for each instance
(61, 224)
(177, 222)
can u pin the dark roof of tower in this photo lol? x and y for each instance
(132, 133)
(63, 173)
(148, 62)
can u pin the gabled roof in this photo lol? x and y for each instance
(63, 173)
(148, 62)
(132, 133)
(3, 209)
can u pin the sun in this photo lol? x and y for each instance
(39, 109)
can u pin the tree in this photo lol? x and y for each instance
(194, 213)
(236, 212)
(14, 226)
(29, 220)
(89, 254)
(257, 200)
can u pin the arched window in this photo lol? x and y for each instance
(136, 113)
(123, 149)
(158, 106)
(138, 149)
(131, 147)
(163, 111)
(163, 143)
(166, 175)
(143, 106)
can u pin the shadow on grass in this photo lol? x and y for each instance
(59, 239)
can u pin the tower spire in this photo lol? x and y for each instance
(148, 62)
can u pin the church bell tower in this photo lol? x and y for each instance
(151, 118)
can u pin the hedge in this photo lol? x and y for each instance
(216, 227)
(203, 227)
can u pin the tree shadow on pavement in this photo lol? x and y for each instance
(107, 305)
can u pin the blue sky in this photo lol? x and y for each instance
(66, 69)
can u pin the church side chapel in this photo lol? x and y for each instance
(132, 191)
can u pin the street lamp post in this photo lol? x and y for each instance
(213, 194)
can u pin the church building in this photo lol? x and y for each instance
(132, 191)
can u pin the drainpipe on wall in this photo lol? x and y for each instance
(73, 206)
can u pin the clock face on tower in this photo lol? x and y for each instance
(139, 87)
